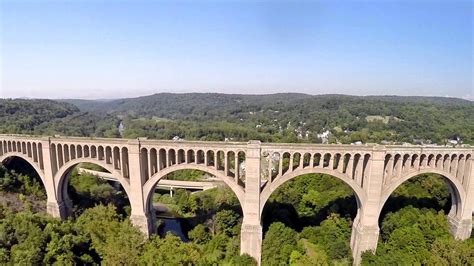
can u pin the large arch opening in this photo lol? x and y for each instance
(84, 185)
(309, 218)
(427, 190)
(414, 220)
(198, 206)
(21, 186)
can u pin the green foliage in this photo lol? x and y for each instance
(227, 223)
(276, 118)
(312, 193)
(201, 203)
(332, 235)
(288, 117)
(216, 249)
(87, 190)
(309, 199)
(431, 224)
(116, 241)
(100, 235)
(186, 175)
(169, 251)
(313, 254)
(47, 117)
(20, 183)
(199, 234)
(279, 242)
(425, 186)
(410, 236)
(242, 260)
(23, 116)
(34, 239)
(66, 245)
(448, 251)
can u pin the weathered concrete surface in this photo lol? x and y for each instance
(253, 171)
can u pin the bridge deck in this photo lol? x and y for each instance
(232, 144)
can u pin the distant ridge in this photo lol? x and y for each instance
(213, 100)
(282, 117)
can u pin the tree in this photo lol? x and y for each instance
(447, 251)
(116, 241)
(226, 222)
(199, 234)
(333, 235)
(169, 251)
(242, 260)
(278, 244)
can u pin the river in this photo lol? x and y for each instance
(174, 226)
(170, 222)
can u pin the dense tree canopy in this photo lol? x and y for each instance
(277, 118)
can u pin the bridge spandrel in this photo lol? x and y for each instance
(449, 162)
(350, 164)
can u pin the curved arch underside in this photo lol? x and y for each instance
(33, 164)
(273, 186)
(457, 191)
(150, 184)
(61, 176)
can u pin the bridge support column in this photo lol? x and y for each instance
(251, 231)
(54, 206)
(59, 209)
(363, 238)
(140, 217)
(460, 229)
(251, 241)
(461, 223)
(143, 222)
(365, 231)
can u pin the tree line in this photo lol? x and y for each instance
(276, 118)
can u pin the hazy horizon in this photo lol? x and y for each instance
(244, 94)
(111, 50)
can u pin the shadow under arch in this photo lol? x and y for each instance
(149, 186)
(62, 176)
(33, 164)
(454, 185)
(359, 193)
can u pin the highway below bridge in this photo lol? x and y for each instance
(163, 183)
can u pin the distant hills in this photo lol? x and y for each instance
(283, 117)
(162, 104)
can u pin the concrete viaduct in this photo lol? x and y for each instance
(253, 171)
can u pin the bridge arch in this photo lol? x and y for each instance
(150, 184)
(30, 161)
(455, 187)
(62, 176)
(359, 193)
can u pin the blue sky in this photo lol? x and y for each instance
(110, 49)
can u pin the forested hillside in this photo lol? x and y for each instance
(293, 117)
(24, 116)
(276, 117)
(47, 117)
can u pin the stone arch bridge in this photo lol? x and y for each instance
(253, 171)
